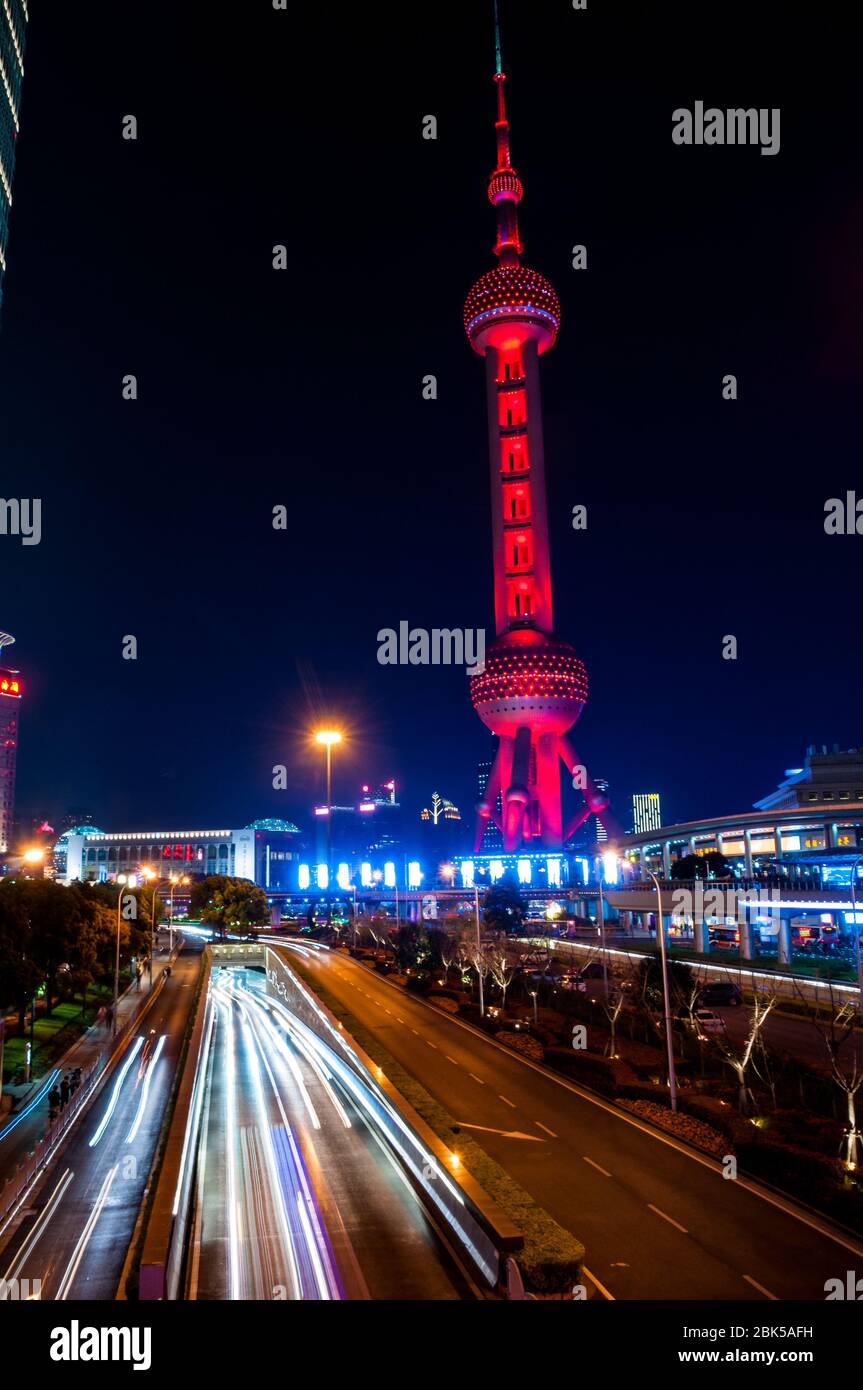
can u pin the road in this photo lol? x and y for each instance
(296, 1198)
(658, 1221)
(74, 1235)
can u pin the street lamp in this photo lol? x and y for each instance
(479, 953)
(175, 879)
(858, 860)
(672, 1075)
(122, 879)
(328, 738)
(150, 875)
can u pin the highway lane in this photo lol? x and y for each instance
(74, 1234)
(658, 1221)
(295, 1196)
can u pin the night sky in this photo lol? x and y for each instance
(303, 388)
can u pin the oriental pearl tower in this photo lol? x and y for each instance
(533, 685)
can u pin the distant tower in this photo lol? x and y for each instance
(534, 685)
(10, 705)
(13, 22)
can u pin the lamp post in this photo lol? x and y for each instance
(602, 940)
(175, 879)
(672, 1075)
(122, 879)
(479, 953)
(858, 860)
(328, 738)
(148, 875)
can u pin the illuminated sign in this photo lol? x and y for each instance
(10, 684)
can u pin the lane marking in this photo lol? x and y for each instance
(540, 1125)
(604, 1171)
(593, 1279)
(670, 1219)
(476, 1078)
(431, 1044)
(761, 1288)
(505, 1101)
(504, 1133)
(451, 1059)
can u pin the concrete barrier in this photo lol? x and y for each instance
(165, 1240)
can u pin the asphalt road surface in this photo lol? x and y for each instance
(296, 1198)
(74, 1234)
(658, 1221)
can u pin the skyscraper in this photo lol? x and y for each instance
(10, 705)
(646, 813)
(534, 685)
(13, 22)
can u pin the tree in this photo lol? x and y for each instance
(650, 993)
(713, 864)
(413, 946)
(501, 968)
(503, 908)
(741, 1058)
(223, 902)
(836, 1022)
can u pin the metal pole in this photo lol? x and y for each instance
(479, 954)
(857, 861)
(117, 968)
(602, 940)
(329, 809)
(672, 1075)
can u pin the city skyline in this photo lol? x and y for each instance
(254, 428)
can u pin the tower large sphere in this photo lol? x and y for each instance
(509, 295)
(530, 678)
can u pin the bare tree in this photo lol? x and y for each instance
(500, 967)
(836, 1023)
(741, 1057)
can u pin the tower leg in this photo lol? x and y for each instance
(596, 802)
(516, 796)
(548, 789)
(490, 794)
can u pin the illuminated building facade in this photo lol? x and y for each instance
(534, 685)
(13, 23)
(263, 851)
(646, 812)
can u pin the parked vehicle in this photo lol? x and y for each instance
(705, 1021)
(723, 992)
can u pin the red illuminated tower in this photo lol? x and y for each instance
(534, 685)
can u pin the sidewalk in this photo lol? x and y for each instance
(22, 1130)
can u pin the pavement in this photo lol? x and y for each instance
(296, 1198)
(658, 1219)
(74, 1231)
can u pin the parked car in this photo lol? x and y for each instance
(705, 1021)
(723, 992)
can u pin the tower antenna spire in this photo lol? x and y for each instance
(498, 62)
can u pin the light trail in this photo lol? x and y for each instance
(31, 1104)
(84, 1238)
(115, 1094)
(39, 1228)
(145, 1090)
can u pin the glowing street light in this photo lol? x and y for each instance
(34, 855)
(174, 880)
(328, 738)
